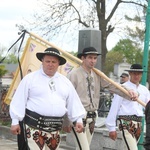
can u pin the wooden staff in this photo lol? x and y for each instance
(116, 85)
(100, 73)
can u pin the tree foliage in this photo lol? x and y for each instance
(124, 49)
(73, 15)
(112, 57)
(131, 52)
(3, 71)
(11, 59)
(8, 57)
(137, 33)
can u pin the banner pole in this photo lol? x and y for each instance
(100, 73)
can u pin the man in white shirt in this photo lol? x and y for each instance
(129, 113)
(41, 100)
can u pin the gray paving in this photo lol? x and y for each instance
(9, 142)
(6, 144)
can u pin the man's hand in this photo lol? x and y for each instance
(67, 128)
(134, 96)
(67, 124)
(113, 135)
(15, 129)
(79, 127)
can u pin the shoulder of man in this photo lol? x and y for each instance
(31, 74)
(75, 71)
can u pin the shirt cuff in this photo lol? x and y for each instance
(112, 129)
(79, 120)
(15, 122)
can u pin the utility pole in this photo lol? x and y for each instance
(145, 66)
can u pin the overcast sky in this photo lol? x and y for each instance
(14, 12)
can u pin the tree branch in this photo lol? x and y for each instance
(131, 2)
(113, 11)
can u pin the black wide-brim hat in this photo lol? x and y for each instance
(52, 52)
(135, 68)
(88, 50)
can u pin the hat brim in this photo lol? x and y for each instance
(81, 54)
(123, 76)
(135, 70)
(41, 55)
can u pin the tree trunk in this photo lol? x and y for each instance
(102, 27)
(104, 52)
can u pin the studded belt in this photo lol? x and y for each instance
(44, 123)
(131, 118)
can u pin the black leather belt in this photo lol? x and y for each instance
(91, 114)
(45, 123)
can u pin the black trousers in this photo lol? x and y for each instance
(147, 119)
(21, 138)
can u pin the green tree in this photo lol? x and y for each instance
(124, 49)
(69, 15)
(3, 71)
(137, 33)
(11, 59)
(131, 52)
(112, 58)
(8, 57)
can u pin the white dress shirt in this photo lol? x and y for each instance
(46, 96)
(122, 106)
